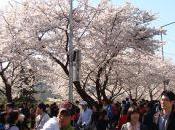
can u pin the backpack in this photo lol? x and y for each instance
(2, 126)
(109, 112)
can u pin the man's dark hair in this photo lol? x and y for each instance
(12, 117)
(10, 105)
(42, 106)
(168, 94)
(54, 110)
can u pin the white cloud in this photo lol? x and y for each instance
(3, 3)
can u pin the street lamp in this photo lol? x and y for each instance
(161, 28)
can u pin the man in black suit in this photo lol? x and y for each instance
(165, 120)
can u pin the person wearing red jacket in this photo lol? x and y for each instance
(122, 120)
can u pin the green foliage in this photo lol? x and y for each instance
(26, 96)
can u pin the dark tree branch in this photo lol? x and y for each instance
(2, 91)
(97, 82)
(141, 94)
(83, 94)
(60, 63)
(87, 26)
(7, 87)
(86, 80)
(9, 27)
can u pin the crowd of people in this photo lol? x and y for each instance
(104, 115)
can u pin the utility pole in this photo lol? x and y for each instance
(161, 36)
(70, 46)
(161, 28)
(165, 81)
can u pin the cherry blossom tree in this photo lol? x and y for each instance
(109, 37)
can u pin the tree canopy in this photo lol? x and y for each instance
(118, 46)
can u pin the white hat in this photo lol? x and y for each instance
(83, 103)
(108, 97)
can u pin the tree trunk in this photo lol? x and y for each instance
(98, 91)
(130, 94)
(98, 85)
(104, 94)
(77, 84)
(8, 93)
(83, 94)
(151, 95)
(8, 88)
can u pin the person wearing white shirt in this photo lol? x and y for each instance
(42, 117)
(85, 116)
(51, 124)
(61, 122)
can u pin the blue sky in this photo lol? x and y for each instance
(165, 12)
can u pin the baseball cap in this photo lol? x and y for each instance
(64, 111)
(10, 104)
(83, 103)
(66, 104)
